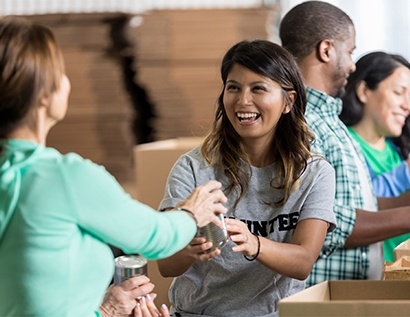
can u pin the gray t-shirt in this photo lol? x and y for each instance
(229, 285)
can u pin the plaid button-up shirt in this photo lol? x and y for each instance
(332, 141)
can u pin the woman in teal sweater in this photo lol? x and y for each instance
(59, 212)
(376, 110)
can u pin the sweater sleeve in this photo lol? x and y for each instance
(392, 183)
(102, 208)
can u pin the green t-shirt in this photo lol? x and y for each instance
(380, 162)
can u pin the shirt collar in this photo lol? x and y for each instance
(325, 103)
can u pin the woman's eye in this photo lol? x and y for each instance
(260, 88)
(231, 87)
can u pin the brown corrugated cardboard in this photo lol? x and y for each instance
(179, 53)
(402, 249)
(153, 162)
(398, 270)
(355, 298)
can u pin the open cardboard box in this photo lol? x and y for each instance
(356, 298)
(402, 249)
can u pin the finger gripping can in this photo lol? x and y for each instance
(127, 266)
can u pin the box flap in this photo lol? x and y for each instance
(318, 293)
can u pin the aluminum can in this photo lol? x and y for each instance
(127, 266)
(219, 237)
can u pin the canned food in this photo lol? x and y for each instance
(127, 266)
(214, 234)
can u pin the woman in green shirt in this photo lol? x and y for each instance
(58, 212)
(376, 110)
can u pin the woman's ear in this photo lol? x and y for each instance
(361, 91)
(45, 101)
(323, 50)
(289, 101)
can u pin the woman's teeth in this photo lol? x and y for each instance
(247, 116)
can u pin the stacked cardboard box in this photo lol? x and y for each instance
(178, 58)
(97, 125)
(178, 54)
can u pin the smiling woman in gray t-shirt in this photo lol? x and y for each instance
(280, 196)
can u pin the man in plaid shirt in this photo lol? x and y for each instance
(322, 38)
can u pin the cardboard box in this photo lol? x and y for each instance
(356, 298)
(402, 249)
(152, 163)
(398, 270)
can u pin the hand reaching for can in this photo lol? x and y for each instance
(205, 203)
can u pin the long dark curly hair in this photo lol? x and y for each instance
(290, 146)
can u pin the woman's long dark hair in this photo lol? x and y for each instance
(291, 143)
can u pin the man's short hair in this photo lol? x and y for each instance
(309, 23)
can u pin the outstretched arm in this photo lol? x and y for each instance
(372, 227)
(392, 183)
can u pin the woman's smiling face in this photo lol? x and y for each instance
(254, 103)
(388, 106)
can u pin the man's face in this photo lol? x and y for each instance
(343, 64)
